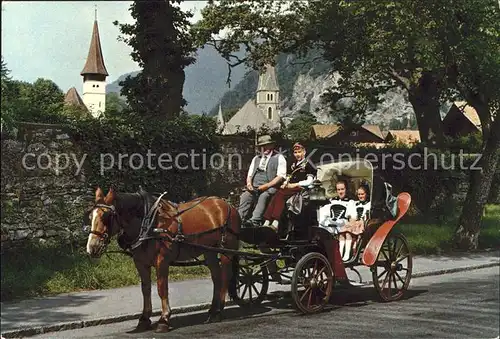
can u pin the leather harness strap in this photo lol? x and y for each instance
(179, 236)
(148, 220)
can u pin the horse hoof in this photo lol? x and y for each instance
(143, 325)
(162, 328)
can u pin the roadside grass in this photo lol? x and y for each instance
(436, 238)
(41, 270)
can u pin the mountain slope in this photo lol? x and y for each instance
(205, 81)
(302, 82)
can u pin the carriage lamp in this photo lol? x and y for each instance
(317, 192)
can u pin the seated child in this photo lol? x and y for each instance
(358, 214)
(333, 216)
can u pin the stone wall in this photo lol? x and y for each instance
(38, 201)
(48, 204)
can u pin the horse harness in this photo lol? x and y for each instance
(179, 236)
(148, 221)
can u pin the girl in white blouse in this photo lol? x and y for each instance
(358, 214)
(334, 215)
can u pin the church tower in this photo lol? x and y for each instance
(94, 76)
(268, 94)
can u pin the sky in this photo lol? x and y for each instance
(51, 39)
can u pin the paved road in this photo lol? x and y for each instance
(458, 305)
(102, 304)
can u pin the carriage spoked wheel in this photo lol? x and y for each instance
(249, 284)
(312, 283)
(391, 273)
(358, 279)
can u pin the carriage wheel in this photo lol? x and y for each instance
(391, 273)
(312, 283)
(359, 278)
(249, 284)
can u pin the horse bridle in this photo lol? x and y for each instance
(105, 236)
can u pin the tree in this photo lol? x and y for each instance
(299, 129)
(46, 96)
(7, 98)
(472, 45)
(162, 47)
(115, 106)
(41, 101)
(435, 50)
(374, 45)
(404, 123)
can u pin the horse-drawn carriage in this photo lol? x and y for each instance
(302, 252)
(211, 227)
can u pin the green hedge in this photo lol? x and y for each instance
(187, 134)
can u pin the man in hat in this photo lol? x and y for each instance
(266, 172)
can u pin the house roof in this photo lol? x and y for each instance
(95, 60)
(249, 116)
(374, 129)
(322, 131)
(73, 98)
(469, 112)
(267, 80)
(406, 136)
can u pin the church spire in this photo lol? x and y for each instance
(220, 118)
(267, 80)
(95, 60)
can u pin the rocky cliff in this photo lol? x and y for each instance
(301, 88)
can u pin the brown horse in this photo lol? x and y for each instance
(206, 221)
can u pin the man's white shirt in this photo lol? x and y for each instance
(263, 165)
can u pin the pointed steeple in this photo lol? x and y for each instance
(220, 118)
(267, 80)
(95, 60)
